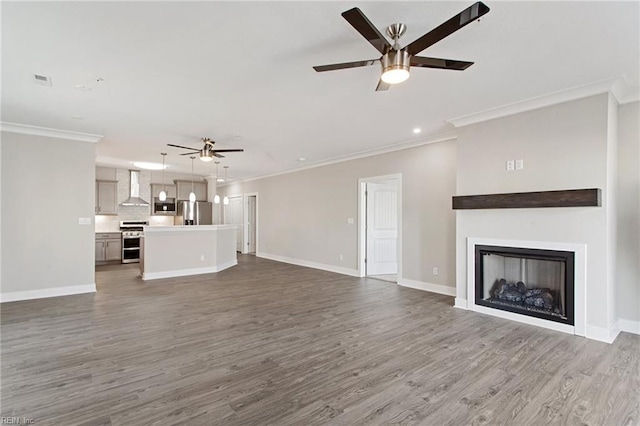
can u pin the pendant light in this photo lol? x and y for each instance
(225, 200)
(216, 198)
(192, 195)
(163, 194)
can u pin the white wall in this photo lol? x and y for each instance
(303, 215)
(564, 147)
(628, 232)
(47, 185)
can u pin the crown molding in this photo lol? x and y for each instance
(624, 91)
(441, 137)
(52, 133)
(619, 87)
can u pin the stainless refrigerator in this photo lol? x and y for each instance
(194, 213)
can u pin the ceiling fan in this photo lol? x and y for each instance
(207, 152)
(395, 60)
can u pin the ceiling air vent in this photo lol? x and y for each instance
(43, 80)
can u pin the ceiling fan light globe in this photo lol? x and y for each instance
(395, 76)
(206, 154)
(216, 199)
(162, 196)
(192, 197)
(395, 66)
(225, 201)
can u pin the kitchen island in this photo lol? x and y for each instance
(175, 251)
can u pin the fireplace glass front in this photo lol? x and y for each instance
(533, 282)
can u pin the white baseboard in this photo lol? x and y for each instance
(308, 264)
(15, 296)
(607, 335)
(185, 272)
(461, 303)
(433, 288)
(629, 326)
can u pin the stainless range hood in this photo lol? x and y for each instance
(134, 196)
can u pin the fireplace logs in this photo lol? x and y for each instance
(518, 294)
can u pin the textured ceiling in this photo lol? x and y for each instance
(241, 73)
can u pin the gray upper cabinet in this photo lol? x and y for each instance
(156, 188)
(184, 189)
(106, 197)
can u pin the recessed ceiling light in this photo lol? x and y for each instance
(83, 88)
(148, 166)
(417, 130)
(302, 159)
(77, 117)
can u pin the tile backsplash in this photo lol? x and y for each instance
(112, 223)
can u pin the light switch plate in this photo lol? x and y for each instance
(519, 164)
(350, 221)
(510, 165)
(84, 221)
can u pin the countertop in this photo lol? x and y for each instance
(189, 228)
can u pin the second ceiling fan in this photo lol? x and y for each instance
(207, 152)
(395, 60)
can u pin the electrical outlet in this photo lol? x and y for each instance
(202, 258)
(519, 164)
(435, 270)
(341, 257)
(269, 246)
(510, 165)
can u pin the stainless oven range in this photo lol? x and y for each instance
(132, 231)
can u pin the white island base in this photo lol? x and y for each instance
(176, 251)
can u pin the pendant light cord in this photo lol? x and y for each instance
(192, 158)
(164, 187)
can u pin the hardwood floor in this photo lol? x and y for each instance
(270, 343)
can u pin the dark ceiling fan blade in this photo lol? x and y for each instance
(228, 150)
(382, 86)
(191, 153)
(218, 155)
(463, 18)
(183, 147)
(361, 23)
(445, 64)
(355, 64)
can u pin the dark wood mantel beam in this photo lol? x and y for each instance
(522, 200)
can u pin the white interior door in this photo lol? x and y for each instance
(382, 228)
(251, 224)
(233, 215)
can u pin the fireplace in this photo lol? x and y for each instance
(534, 282)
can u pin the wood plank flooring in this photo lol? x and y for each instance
(271, 343)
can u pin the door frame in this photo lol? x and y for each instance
(225, 209)
(362, 220)
(245, 220)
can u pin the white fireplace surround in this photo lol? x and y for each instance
(580, 281)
